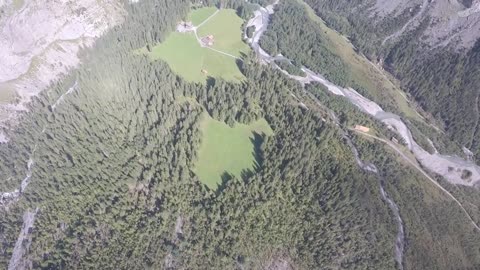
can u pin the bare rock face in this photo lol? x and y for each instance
(39, 42)
(452, 22)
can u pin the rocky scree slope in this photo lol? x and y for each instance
(40, 41)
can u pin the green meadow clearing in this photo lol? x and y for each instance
(197, 16)
(187, 58)
(228, 149)
(226, 28)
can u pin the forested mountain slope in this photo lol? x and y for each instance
(431, 46)
(112, 175)
(101, 170)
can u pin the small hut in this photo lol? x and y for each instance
(184, 27)
(208, 41)
(362, 128)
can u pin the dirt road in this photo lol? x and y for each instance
(415, 165)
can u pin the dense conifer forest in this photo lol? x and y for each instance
(114, 184)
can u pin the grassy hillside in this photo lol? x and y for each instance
(229, 150)
(195, 63)
(185, 56)
(226, 28)
(199, 15)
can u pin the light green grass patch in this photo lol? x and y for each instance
(226, 28)
(226, 149)
(185, 57)
(197, 16)
(194, 63)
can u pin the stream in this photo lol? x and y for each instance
(18, 260)
(371, 168)
(450, 167)
(6, 198)
(260, 21)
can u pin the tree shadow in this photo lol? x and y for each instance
(210, 82)
(257, 153)
(226, 177)
(241, 62)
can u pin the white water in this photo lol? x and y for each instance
(18, 260)
(371, 168)
(449, 167)
(400, 241)
(260, 21)
(6, 198)
(61, 98)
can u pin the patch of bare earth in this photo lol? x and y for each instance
(278, 262)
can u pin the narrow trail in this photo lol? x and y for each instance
(394, 147)
(224, 53)
(200, 41)
(369, 107)
(207, 19)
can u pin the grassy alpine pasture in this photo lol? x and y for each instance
(226, 28)
(186, 58)
(197, 16)
(193, 62)
(228, 149)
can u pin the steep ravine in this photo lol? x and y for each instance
(18, 260)
(7, 198)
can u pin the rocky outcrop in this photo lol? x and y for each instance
(39, 42)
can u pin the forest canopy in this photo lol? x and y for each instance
(118, 155)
